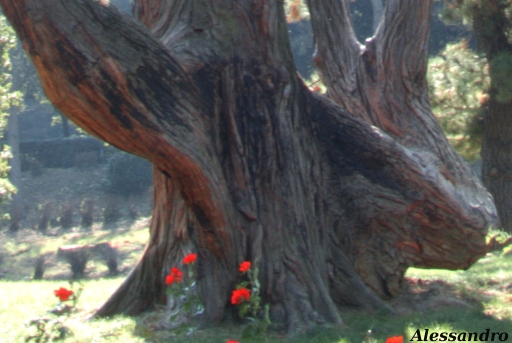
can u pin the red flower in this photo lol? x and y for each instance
(395, 339)
(240, 295)
(169, 279)
(62, 293)
(190, 258)
(175, 275)
(245, 266)
(232, 342)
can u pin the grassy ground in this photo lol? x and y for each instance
(470, 301)
(19, 252)
(461, 301)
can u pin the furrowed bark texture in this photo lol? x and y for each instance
(249, 164)
(383, 82)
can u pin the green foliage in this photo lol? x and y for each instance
(487, 282)
(251, 309)
(8, 98)
(6, 188)
(184, 303)
(50, 329)
(45, 329)
(501, 75)
(295, 10)
(458, 83)
(457, 11)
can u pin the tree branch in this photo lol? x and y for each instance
(399, 202)
(403, 39)
(335, 42)
(110, 76)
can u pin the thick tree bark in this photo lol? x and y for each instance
(384, 84)
(249, 164)
(489, 23)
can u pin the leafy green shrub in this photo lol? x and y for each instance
(458, 81)
(128, 174)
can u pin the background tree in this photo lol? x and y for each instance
(492, 22)
(332, 206)
(459, 82)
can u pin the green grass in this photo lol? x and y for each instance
(22, 301)
(486, 282)
(17, 254)
(487, 286)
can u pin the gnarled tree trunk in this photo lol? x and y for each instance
(251, 165)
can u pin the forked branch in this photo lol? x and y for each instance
(108, 74)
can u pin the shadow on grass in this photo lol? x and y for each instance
(445, 309)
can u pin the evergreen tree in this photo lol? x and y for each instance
(8, 98)
(492, 22)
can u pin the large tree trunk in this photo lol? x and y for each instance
(384, 84)
(249, 164)
(489, 23)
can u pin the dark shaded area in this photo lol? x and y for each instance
(78, 256)
(62, 153)
(37, 122)
(128, 174)
(39, 268)
(123, 5)
(301, 39)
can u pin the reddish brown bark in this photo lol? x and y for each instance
(249, 164)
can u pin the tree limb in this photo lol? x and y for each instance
(110, 76)
(336, 47)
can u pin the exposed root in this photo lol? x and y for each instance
(348, 289)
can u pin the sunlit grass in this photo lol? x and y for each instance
(19, 253)
(22, 301)
(488, 283)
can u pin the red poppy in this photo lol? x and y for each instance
(190, 258)
(175, 275)
(240, 295)
(62, 293)
(395, 339)
(169, 279)
(232, 342)
(245, 266)
(176, 272)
